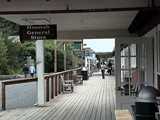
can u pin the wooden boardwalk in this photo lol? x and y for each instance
(94, 100)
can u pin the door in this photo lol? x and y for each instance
(134, 62)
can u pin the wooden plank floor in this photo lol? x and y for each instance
(94, 100)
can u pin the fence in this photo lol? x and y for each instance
(52, 84)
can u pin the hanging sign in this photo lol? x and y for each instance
(37, 32)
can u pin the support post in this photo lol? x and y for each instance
(3, 96)
(40, 71)
(55, 56)
(64, 48)
(118, 63)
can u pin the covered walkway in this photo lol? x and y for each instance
(94, 100)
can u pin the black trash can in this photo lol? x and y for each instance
(84, 73)
(146, 104)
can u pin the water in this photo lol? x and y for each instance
(21, 95)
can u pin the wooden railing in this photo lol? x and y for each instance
(52, 84)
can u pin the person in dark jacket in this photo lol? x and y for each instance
(25, 70)
(109, 68)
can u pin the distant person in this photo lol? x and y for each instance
(98, 66)
(32, 70)
(103, 70)
(109, 68)
(25, 70)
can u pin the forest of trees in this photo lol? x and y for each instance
(13, 53)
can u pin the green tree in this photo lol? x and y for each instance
(49, 52)
(28, 49)
(14, 60)
(13, 54)
(8, 57)
(3, 57)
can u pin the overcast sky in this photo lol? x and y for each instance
(100, 45)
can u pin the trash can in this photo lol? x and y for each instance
(146, 103)
(84, 73)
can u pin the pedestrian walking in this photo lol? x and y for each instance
(32, 70)
(25, 70)
(103, 70)
(109, 68)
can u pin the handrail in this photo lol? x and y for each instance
(24, 80)
(55, 84)
(62, 72)
(19, 80)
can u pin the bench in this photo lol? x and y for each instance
(123, 115)
(67, 85)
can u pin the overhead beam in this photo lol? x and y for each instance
(73, 11)
(90, 34)
(144, 21)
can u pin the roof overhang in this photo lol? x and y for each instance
(76, 19)
(144, 21)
